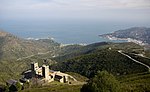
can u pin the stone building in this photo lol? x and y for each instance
(46, 74)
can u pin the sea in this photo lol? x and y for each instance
(66, 32)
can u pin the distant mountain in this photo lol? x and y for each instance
(140, 35)
(13, 47)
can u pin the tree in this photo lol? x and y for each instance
(6, 89)
(12, 88)
(16, 87)
(102, 82)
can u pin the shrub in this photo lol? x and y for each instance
(102, 82)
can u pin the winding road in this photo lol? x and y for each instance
(120, 51)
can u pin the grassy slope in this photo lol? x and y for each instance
(130, 83)
(136, 82)
(13, 69)
(60, 87)
(78, 77)
(56, 88)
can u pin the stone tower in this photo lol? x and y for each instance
(45, 72)
(34, 67)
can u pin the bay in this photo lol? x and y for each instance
(67, 32)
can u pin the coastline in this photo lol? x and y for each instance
(110, 37)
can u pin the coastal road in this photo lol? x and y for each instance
(120, 51)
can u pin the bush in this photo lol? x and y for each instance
(102, 82)
(26, 85)
(16, 87)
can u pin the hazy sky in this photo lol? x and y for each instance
(121, 10)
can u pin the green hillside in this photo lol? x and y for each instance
(56, 87)
(136, 82)
(129, 83)
(13, 47)
(61, 87)
(88, 60)
(16, 54)
(71, 53)
(105, 59)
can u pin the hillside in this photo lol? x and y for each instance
(105, 59)
(16, 54)
(95, 57)
(135, 82)
(136, 34)
(129, 83)
(69, 52)
(13, 47)
(128, 47)
(101, 56)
